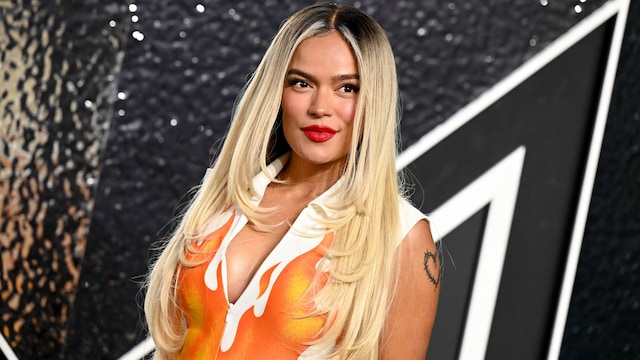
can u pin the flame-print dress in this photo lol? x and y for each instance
(265, 322)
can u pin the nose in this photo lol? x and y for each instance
(321, 103)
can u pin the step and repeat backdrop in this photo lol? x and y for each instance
(520, 137)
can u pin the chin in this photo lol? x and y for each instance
(323, 159)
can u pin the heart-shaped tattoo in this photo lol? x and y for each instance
(432, 268)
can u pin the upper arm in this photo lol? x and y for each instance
(413, 307)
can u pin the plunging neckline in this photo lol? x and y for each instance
(259, 270)
(302, 221)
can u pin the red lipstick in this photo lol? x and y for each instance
(318, 133)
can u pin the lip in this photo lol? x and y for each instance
(318, 133)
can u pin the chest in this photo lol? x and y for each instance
(272, 305)
(245, 254)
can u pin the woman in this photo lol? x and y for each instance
(318, 255)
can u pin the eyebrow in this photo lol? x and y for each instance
(312, 78)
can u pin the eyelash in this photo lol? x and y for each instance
(351, 88)
(295, 81)
(347, 87)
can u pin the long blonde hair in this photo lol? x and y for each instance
(364, 213)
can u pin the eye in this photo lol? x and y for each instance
(350, 88)
(298, 83)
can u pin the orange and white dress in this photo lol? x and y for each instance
(266, 320)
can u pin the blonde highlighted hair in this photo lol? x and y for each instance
(365, 208)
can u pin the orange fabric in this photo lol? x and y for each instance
(276, 334)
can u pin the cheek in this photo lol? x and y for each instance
(347, 114)
(292, 104)
(290, 110)
(348, 111)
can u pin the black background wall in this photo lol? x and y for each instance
(133, 99)
(605, 306)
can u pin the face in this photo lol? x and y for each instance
(319, 100)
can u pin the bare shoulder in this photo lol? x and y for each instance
(417, 249)
(420, 234)
(413, 308)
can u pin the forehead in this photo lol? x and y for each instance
(328, 52)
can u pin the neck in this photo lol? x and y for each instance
(311, 178)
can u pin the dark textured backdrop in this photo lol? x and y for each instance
(184, 63)
(604, 317)
(58, 65)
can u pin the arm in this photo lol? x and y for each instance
(413, 308)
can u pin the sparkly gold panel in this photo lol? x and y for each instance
(54, 111)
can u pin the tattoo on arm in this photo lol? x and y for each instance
(432, 268)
